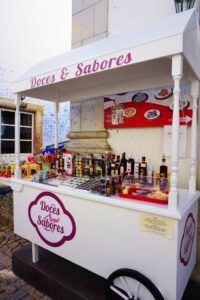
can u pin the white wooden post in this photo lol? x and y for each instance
(193, 162)
(56, 109)
(35, 253)
(17, 137)
(177, 71)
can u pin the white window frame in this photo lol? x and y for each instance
(21, 126)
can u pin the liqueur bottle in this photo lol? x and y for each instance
(123, 164)
(163, 168)
(113, 186)
(143, 167)
(150, 174)
(102, 159)
(119, 185)
(112, 165)
(163, 175)
(108, 187)
(117, 165)
(130, 166)
(136, 168)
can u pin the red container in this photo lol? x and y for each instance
(132, 195)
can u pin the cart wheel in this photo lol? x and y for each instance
(129, 284)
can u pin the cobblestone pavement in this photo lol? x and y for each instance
(11, 286)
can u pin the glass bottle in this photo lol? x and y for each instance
(108, 187)
(123, 164)
(150, 175)
(119, 185)
(163, 168)
(143, 167)
(136, 168)
(112, 165)
(117, 165)
(130, 165)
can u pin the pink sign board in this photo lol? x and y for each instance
(187, 240)
(52, 222)
(82, 68)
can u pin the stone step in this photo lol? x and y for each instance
(56, 277)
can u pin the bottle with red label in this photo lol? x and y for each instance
(130, 166)
(136, 168)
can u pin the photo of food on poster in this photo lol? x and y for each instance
(146, 108)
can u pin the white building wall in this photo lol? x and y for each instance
(126, 14)
(90, 21)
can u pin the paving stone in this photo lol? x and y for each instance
(14, 245)
(6, 277)
(44, 297)
(11, 288)
(1, 288)
(17, 238)
(20, 294)
(2, 237)
(4, 219)
(36, 293)
(29, 297)
(5, 296)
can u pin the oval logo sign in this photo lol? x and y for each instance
(53, 223)
(187, 240)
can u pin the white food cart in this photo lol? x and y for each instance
(147, 251)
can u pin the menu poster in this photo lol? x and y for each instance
(146, 108)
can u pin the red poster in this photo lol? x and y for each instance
(148, 108)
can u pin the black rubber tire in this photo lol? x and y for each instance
(137, 276)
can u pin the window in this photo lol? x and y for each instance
(182, 5)
(7, 127)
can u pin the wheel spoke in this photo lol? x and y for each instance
(137, 290)
(126, 286)
(114, 289)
